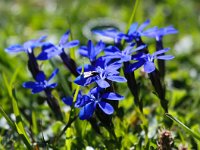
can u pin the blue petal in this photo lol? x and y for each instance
(71, 44)
(55, 72)
(112, 96)
(68, 100)
(42, 38)
(80, 80)
(102, 83)
(142, 26)
(101, 61)
(111, 49)
(165, 57)
(133, 28)
(117, 78)
(82, 100)
(114, 66)
(149, 67)
(106, 107)
(15, 49)
(87, 68)
(83, 51)
(37, 90)
(48, 47)
(112, 33)
(128, 49)
(87, 111)
(135, 66)
(42, 56)
(95, 90)
(53, 85)
(170, 30)
(64, 38)
(98, 48)
(90, 47)
(30, 84)
(151, 32)
(138, 48)
(40, 77)
(160, 52)
(48, 51)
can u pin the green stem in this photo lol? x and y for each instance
(64, 129)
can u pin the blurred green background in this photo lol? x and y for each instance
(21, 20)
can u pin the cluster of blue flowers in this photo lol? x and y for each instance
(128, 52)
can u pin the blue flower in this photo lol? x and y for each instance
(41, 83)
(148, 60)
(27, 46)
(49, 50)
(90, 51)
(125, 55)
(100, 72)
(160, 32)
(94, 98)
(135, 32)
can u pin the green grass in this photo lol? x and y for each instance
(35, 123)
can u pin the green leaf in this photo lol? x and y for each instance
(15, 128)
(192, 133)
(132, 15)
(19, 125)
(10, 122)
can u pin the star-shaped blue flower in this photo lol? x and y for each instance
(50, 50)
(41, 83)
(134, 33)
(158, 33)
(94, 98)
(148, 60)
(27, 46)
(100, 72)
(90, 51)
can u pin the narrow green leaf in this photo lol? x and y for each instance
(34, 121)
(197, 136)
(15, 128)
(10, 122)
(11, 92)
(132, 15)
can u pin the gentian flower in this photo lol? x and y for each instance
(27, 46)
(112, 52)
(135, 32)
(159, 33)
(41, 83)
(90, 51)
(49, 50)
(148, 60)
(94, 98)
(100, 72)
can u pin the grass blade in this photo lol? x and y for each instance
(197, 136)
(18, 125)
(132, 15)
